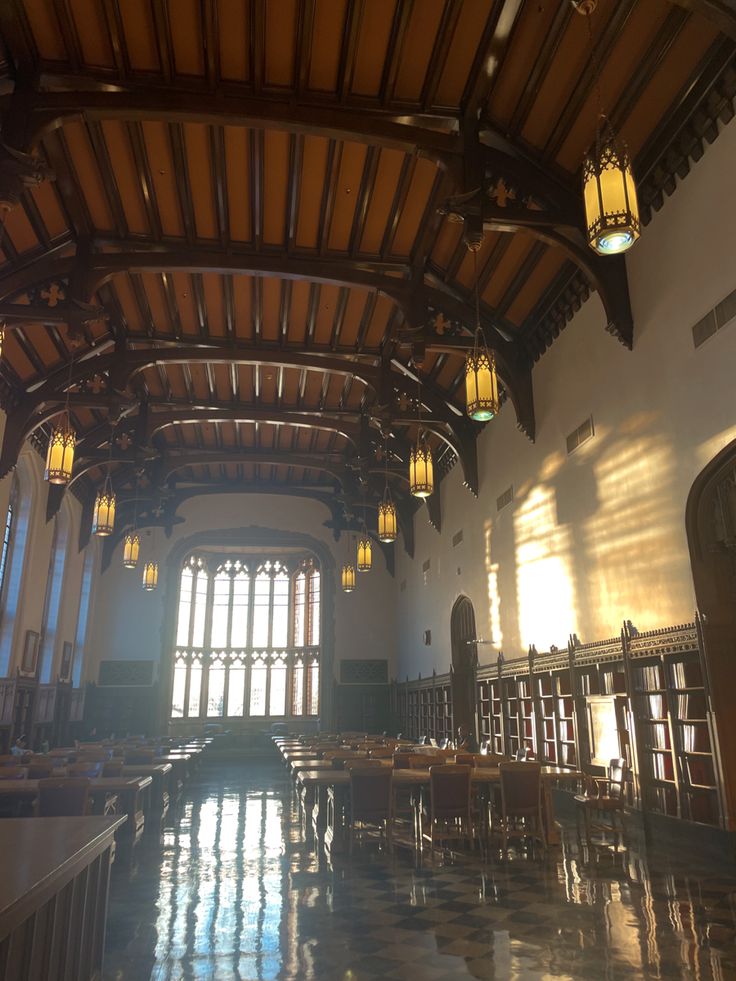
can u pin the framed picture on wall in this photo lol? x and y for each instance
(67, 655)
(30, 654)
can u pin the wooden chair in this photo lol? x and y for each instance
(113, 768)
(450, 806)
(402, 761)
(40, 770)
(604, 795)
(86, 768)
(381, 753)
(139, 757)
(371, 799)
(65, 797)
(13, 772)
(521, 802)
(361, 763)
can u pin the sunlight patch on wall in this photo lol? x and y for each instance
(546, 594)
(628, 546)
(495, 634)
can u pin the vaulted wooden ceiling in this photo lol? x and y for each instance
(244, 220)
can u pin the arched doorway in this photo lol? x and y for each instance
(464, 661)
(711, 532)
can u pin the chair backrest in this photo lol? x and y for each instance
(40, 770)
(617, 778)
(63, 797)
(360, 763)
(521, 754)
(370, 791)
(381, 753)
(423, 761)
(9, 759)
(489, 759)
(86, 768)
(113, 768)
(402, 761)
(94, 756)
(13, 772)
(139, 757)
(466, 759)
(449, 787)
(521, 787)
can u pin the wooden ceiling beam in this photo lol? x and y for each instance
(722, 13)
(48, 110)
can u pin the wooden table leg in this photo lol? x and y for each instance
(551, 831)
(336, 838)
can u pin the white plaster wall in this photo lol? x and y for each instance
(29, 613)
(599, 536)
(128, 622)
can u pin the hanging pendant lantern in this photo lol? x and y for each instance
(131, 548)
(482, 401)
(387, 525)
(611, 206)
(481, 383)
(348, 578)
(103, 519)
(365, 552)
(2, 338)
(421, 470)
(387, 519)
(60, 454)
(150, 576)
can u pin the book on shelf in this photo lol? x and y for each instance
(657, 736)
(686, 674)
(662, 768)
(655, 704)
(695, 737)
(691, 705)
(649, 677)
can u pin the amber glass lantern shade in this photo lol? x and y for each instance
(348, 578)
(365, 553)
(421, 471)
(60, 454)
(131, 548)
(611, 206)
(103, 519)
(387, 520)
(2, 338)
(150, 576)
(481, 384)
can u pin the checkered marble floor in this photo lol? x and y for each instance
(232, 891)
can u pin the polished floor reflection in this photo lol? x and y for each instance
(232, 891)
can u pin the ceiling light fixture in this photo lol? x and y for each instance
(609, 192)
(481, 381)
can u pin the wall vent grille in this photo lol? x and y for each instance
(505, 498)
(721, 314)
(580, 435)
(457, 538)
